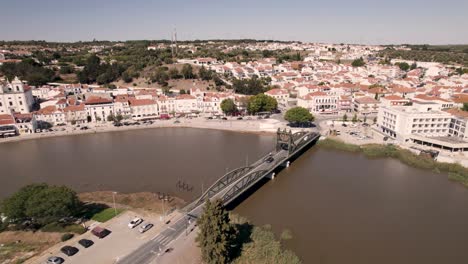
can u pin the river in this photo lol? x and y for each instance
(341, 207)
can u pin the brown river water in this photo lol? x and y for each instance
(341, 207)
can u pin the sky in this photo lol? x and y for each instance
(328, 21)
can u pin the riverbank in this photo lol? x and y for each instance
(455, 171)
(264, 126)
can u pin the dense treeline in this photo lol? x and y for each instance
(103, 73)
(30, 71)
(442, 54)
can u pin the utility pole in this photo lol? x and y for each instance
(113, 198)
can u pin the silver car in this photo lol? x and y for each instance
(145, 227)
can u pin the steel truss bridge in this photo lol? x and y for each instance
(227, 188)
(234, 183)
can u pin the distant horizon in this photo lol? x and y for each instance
(363, 22)
(233, 39)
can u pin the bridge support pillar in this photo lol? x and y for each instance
(272, 176)
(288, 163)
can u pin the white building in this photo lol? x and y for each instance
(281, 96)
(423, 119)
(98, 109)
(319, 102)
(15, 97)
(144, 108)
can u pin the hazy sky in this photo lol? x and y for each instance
(349, 21)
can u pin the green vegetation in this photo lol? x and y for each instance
(66, 236)
(455, 171)
(30, 71)
(298, 115)
(345, 117)
(187, 72)
(252, 86)
(102, 73)
(256, 244)
(465, 107)
(106, 214)
(41, 202)
(448, 54)
(358, 62)
(225, 238)
(403, 66)
(216, 235)
(63, 228)
(261, 103)
(228, 106)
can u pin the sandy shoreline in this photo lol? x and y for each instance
(240, 126)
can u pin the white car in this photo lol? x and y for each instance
(136, 221)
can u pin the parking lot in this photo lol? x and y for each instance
(109, 249)
(357, 133)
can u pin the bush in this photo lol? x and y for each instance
(63, 228)
(67, 236)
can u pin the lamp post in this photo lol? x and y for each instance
(113, 198)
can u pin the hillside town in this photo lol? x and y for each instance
(420, 104)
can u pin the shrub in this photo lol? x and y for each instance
(67, 236)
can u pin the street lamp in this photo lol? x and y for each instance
(113, 198)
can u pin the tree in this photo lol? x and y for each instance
(465, 107)
(365, 119)
(355, 118)
(187, 71)
(182, 91)
(404, 66)
(228, 106)
(205, 74)
(44, 203)
(261, 103)
(111, 118)
(174, 73)
(252, 86)
(376, 97)
(375, 120)
(345, 117)
(298, 115)
(413, 66)
(118, 118)
(216, 235)
(358, 62)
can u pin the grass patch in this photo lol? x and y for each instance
(15, 251)
(63, 228)
(106, 214)
(456, 172)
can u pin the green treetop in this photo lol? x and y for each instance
(216, 235)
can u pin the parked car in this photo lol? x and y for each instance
(86, 243)
(177, 122)
(100, 232)
(84, 128)
(136, 221)
(224, 118)
(239, 118)
(69, 250)
(145, 227)
(55, 260)
(118, 124)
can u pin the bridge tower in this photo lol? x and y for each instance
(285, 141)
